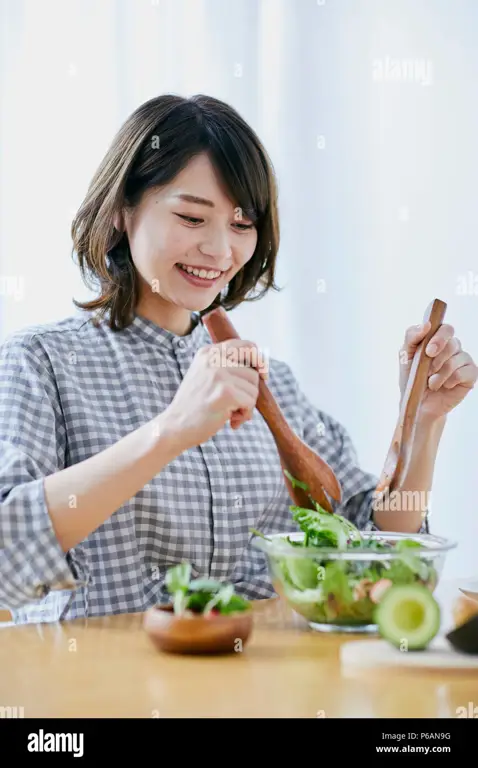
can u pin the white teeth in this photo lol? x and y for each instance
(210, 275)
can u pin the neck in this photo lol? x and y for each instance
(175, 319)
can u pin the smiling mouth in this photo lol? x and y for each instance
(196, 280)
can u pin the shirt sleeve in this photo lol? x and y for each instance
(32, 446)
(331, 440)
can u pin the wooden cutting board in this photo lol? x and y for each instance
(372, 653)
(470, 593)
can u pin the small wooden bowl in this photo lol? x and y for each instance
(197, 634)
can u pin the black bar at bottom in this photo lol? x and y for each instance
(88, 740)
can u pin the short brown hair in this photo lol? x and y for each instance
(154, 144)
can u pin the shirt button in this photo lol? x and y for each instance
(181, 343)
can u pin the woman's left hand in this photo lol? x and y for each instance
(452, 374)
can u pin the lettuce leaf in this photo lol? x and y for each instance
(336, 582)
(323, 528)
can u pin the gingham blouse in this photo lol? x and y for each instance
(68, 390)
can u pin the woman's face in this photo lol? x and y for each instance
(170, 228)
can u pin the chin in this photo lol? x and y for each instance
(199, 306)
(195, 306)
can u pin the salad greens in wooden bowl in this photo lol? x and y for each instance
(203, 616)
(205, 597)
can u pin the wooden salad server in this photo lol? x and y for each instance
(400, 451)
(296, 457)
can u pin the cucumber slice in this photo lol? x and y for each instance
(408, 616)
(302, 572)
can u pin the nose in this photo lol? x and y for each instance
(216, 245)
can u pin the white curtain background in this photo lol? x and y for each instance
(369, 111)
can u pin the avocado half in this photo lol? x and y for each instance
(408, 616)
(464, 638)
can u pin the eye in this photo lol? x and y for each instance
(244, 227)
(190, 219)
(193, 221)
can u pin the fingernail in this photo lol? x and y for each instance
(431, 349)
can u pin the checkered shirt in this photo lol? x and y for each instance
(68, 390)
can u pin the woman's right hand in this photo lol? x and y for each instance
(221, 384)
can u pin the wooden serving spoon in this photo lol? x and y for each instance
(296, 456)
(400, 451)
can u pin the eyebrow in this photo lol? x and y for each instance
(249, 213)
(194, 199)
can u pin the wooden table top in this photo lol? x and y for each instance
(108, 667)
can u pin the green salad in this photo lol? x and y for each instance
(207, 597)
(342, 591)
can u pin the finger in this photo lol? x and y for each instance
(439, 340)
(453, 347)
(262, 368)
(240, 416)
(240, 370)
(413, 337)
(466, 376)
(415, 334)
(246, 390)
(236, 422)
(237, 417)
(244, 373)
(240, 353)
(448, 369)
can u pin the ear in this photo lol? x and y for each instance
(118, 222)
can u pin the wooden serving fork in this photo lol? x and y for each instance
(296, 457)
(400, 451)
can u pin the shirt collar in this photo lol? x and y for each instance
(149, 331)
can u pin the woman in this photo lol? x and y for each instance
(125, 448)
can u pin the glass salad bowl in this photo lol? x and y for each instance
(335, 576)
